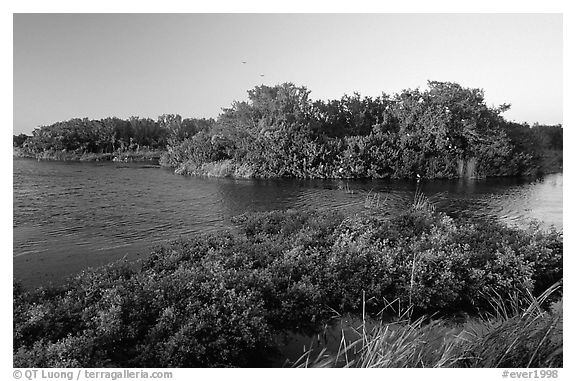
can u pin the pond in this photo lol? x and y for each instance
(71, 215)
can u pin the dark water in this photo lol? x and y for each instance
(338, 334)
(71, 215)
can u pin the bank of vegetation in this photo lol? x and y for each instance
(443, 131)
(134, 139)
(218, 299)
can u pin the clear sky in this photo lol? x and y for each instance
(99, 65)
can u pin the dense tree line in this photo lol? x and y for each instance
(111, 134)
(443, 131)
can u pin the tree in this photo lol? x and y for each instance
(19, 140)
(269, 108)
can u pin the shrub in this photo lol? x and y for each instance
(217, 299)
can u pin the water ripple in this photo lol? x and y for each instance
(85, 213)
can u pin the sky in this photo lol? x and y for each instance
(100, 65)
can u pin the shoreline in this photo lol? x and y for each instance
(126, 156)
(552, 162)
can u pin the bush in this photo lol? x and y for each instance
(217, 299)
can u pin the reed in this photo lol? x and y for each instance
(346, 188)
(422, 202)
(518, 333)
(373, 200)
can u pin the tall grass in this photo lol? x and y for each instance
(346, 188)
(422, 202)
(374, 200)
(519, 332)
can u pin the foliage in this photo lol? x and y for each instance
(217, 299)
(19, 140)
(513, 337)
(109, 135)
(445, 131)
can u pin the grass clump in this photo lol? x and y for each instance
(510, 337)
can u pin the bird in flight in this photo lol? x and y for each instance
(243, 62)
(261, 75)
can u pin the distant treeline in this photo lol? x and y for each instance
(111, 134)
(444, 131)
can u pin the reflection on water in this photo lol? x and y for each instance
(70, 215)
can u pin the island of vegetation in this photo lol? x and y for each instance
(444, 131)
(464, 292)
